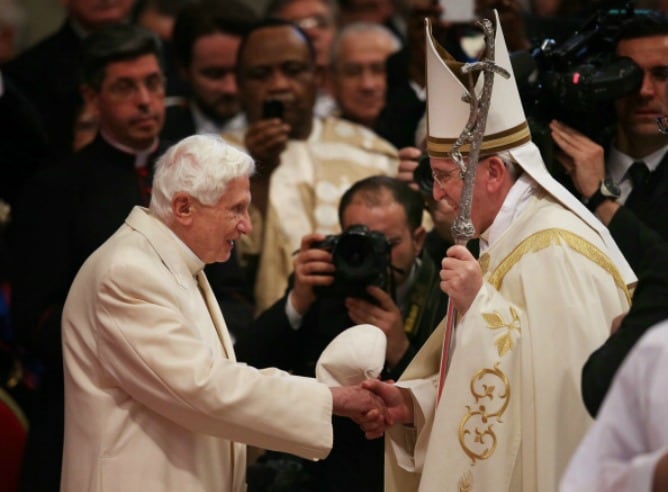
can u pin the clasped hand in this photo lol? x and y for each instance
(375, 405)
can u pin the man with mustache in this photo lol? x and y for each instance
(632, 207)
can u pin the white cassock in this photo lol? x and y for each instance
(511, 413)
(630, 434)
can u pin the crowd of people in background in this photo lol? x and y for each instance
(330, 100)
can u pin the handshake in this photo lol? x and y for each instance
(350, 365)
(373, 404)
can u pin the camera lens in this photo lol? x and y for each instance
(355, 258)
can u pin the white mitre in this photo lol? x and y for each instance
(506, 128)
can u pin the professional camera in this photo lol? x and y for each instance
(578, 80)
(361, 258)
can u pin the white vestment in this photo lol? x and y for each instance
(511, 413)
(630, 435)
(304, 194)
(154, 399)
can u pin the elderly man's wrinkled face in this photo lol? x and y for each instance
(276, 64)
(359, 82)
(217, 227)
(449, 184)
(93, 14)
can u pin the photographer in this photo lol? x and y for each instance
(632, 207)
(294, 331)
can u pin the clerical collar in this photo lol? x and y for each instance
(195, 265)
(514, 204)
(141, 156)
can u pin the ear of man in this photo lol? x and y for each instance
(182, 208)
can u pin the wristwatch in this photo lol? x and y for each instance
(606, 191)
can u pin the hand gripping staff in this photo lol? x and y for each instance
(472, 134)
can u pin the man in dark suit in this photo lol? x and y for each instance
(293, 332)
(206, 37)
(628, 188)
(48, 75)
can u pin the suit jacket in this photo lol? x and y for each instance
(154, 398)
(649, 307)
(638, 227)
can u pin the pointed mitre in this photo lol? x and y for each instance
(448, 113)
(506, 128)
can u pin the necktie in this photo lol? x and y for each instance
(639, 174)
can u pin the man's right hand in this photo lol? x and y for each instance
(312, 267)
(266, 140)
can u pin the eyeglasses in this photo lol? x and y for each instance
(126, 88)
(662, 122)
(442, 177)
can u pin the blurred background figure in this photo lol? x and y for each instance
(319, 20)
(47, 73)
(206, 39)
(357, 74)
(385, 12)
(305, 162)
(12, 27)
(159, 16)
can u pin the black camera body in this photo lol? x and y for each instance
(361, 258)
(578, 80)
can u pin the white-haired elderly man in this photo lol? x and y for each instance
(154, 398)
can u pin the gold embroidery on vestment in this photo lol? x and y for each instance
(491, 391)
(465, 483)
(484, 263)
(495, 322)
(556, 237)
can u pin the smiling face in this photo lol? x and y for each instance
(637, 112)
(213, 229)
(359, 82)
(130, 104)
(275, 63)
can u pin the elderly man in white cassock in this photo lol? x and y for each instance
(537, 302)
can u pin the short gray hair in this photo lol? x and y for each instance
(200, 165)
(362, 28)
(511, 164)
